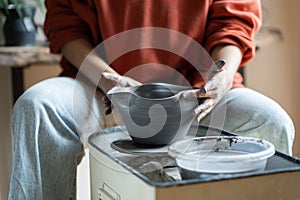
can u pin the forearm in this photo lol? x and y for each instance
(79, 51)
(231, 54)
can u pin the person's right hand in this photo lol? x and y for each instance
(118, 80)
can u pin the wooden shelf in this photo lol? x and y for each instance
(24, 56)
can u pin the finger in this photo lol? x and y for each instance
(203, 110)
(203, 114)
(197, 93)
(107, 105)
(113, 77)
(108, 108)
(105, 99)
(204, 106)
(123, 82)
(210, 85)
(188, 93)
(127, 82)
(212, 93)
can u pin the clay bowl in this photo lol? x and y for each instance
(154, 113)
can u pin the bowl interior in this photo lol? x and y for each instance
(154, 91)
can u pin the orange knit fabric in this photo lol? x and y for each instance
(208, 22)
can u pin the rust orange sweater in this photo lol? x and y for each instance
(209, 22)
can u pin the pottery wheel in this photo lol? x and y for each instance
(129, 147)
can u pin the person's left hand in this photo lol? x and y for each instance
(118, 80)
(219, 82)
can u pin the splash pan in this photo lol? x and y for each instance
(221, 154)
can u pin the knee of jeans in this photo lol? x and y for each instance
(285, 125)
(285, 130)
(30, 103)
(288, 129)
(45, 93)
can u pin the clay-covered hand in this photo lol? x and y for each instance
(118, 80)
(219, 82)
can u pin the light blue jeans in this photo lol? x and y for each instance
(52, 120)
